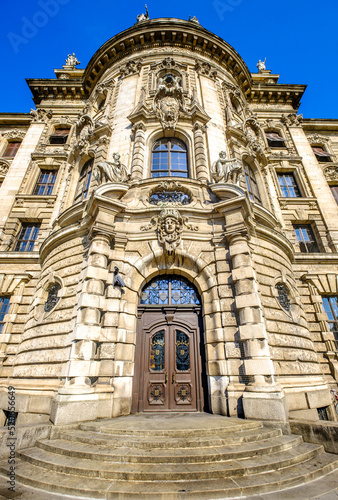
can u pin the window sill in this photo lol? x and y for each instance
(297, 200)
(322, 257)
(21, 257)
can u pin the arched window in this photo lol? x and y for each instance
(84, 182)
(251, 184)
(169, 158)
(169, 290)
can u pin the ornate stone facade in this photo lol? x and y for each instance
(166, 157)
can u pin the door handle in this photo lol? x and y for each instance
(173, 378)
(166, 377)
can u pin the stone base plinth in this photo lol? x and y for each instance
(69, 409)
(265, 406)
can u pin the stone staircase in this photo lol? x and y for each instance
(172, 456)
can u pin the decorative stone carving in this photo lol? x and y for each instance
(14, 134)
(169, 101)
(227, 171)
(41, 115)
(170, 224)
(261, 66)
(318, 139)
(4, 166)
(84, 129)
(252, 132)
(292, 120)
(194, 19)
(205, 69)
(72, 61)
(131, 68)
(170, 193)
(113, 171)
(331, 173)
(143, 17)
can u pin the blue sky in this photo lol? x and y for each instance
(298, 38)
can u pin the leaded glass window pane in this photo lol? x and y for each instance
(283, 296)
(330, 306)
(157, 352)
(169, 158)
(182, 351)
(27, 237)
(45, 182)
(169, 290)
(306, 238)
(84, 182)
(52, 298)
(251, 184)
(288, 185)
(4, 308)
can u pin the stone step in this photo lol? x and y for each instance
(47, 480)
(229, 487)
(167, 442)
(179, 455)
(168, 472)
(217, 426)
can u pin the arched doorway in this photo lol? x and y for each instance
(170, 361)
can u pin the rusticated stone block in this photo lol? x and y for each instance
(249, 300)
(97, 260)
(90, 300)
(94, 286)
(258, 366)
(245, 286)
(125, 352)
(88, 316)
(252, 331)
(241, 260)
(96, 272)
(243, 273)
(216, 368)
(318, 398)
(239, 248)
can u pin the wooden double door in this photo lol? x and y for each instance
(168, 364)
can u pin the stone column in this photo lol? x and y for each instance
(202, 173)
(137, 164)
(76, 400)
(262, 398)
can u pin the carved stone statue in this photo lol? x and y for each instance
(261, 65)
(169, 100)
(227, 171)
(114, 171)
(72, 60)
(143, 17)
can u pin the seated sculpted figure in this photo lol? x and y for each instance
(227, 171)
(114, 171)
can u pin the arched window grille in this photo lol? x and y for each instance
(251, 184)
(169, 290)
(84, 182)
(52, 298)
(169, 158)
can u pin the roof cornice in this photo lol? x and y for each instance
(161, 33)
